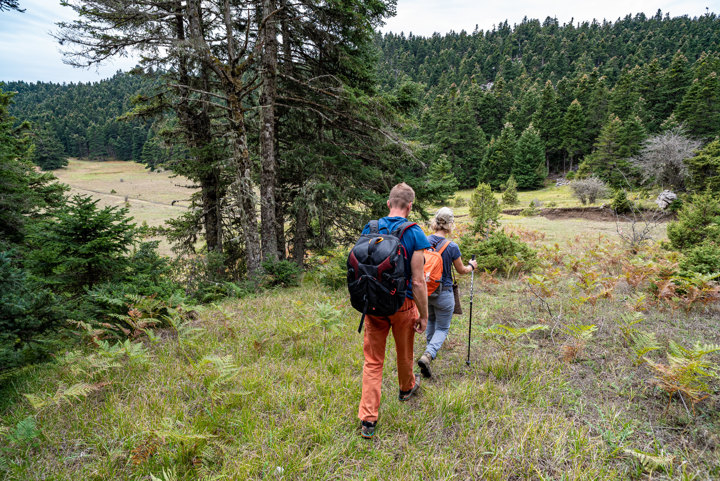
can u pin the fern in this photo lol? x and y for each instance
(580, 335)
(642, 343)
(329, 316)
(628, 321)
(74, 392)
(226, 372)
(507, 337)
(687, 372)
(651, 462)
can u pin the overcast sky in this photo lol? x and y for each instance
(28, 52)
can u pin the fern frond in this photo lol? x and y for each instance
(651, 462)
(642, 343)
(76, 391)
(36, 401)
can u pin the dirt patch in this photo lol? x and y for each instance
(590, 213)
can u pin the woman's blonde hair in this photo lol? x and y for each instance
(444, 220)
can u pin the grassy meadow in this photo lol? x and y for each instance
(566, 382)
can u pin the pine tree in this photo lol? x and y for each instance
(498, 162)
(510, 195)
(441, 182)
(610, 159)
(699, 110)
(573, 132)
(47, 151)
(704, 168)
(529, 165)
(484, 209)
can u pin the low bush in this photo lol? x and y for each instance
(702, 259)
(461, 202)
(29, 316)
(530, 210)
(698, 221)
(620, 203)
(587, 191)
(280, 273)
(500, 252)
(330, 269)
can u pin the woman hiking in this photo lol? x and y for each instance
(442, 303)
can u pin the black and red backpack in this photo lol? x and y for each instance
(376, 272)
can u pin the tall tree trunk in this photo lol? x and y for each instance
(234, 87)
(243, 184)
(301, 234)
(280, 225)
(268, 227)
(197, 128)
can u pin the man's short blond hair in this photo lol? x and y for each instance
(401, 196)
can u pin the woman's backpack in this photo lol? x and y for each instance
(376, 272)
(434, 267)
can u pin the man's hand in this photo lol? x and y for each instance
(420, 324)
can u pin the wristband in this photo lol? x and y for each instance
(471, 266)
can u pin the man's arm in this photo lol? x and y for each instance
(419, 289)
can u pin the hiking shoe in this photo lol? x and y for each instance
(424, 363)
(367, 429)
(405, 395)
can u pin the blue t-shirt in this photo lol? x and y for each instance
(413, 240)
(451, 252)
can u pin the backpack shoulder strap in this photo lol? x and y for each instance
(444, 243)
(374, 226)
(402, 228)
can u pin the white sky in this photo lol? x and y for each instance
(28, 52)
(424, 17)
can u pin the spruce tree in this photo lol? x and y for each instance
(699, 110)
(548, 120)
(510, 195)
(441, 182)
(484, 209)
(610, 159)
(704, 168)
(529, 166)
(47, 151)
(498, 162)
(573, 132)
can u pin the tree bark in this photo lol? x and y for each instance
(301, 234)
(268, 227)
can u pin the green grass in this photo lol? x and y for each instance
(259, 390)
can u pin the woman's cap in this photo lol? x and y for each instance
(444, 216)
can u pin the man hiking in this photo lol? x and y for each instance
(410, 318)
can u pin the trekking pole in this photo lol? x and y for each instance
(472, 283)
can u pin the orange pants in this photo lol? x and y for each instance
(376, 332)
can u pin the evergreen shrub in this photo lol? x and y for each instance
(510, 196)
(698, 221)
(620, 203)
(280, 273)
(330, 269)
(29, 316)
(484, 209)
(702, 259)
(501, 252)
